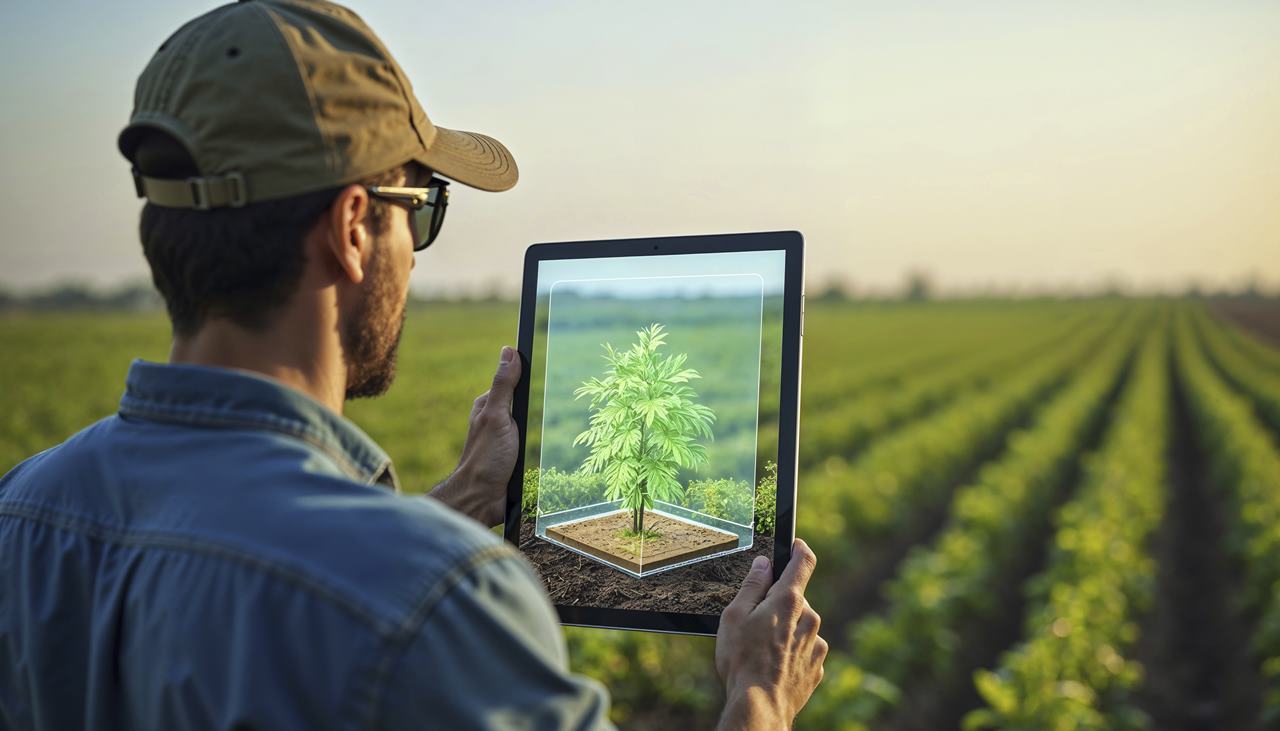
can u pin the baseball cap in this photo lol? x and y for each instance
(275, 98)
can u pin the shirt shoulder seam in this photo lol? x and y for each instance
(197, 417)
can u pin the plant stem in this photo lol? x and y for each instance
(637, 515)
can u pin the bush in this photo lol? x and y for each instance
(529, 493)
(767, 500)
(564, 490)
(724, 498)
(728, 499)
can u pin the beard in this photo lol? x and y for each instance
(371, 337)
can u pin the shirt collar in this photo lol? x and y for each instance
(222, 397)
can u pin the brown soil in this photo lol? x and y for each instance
(701, 588)
(1194, 644)
(1259, 316)
(674, 541)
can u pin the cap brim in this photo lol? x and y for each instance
(471, 159)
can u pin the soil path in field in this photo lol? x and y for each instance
(1259, 317)
(942, 702)
(1194, 644)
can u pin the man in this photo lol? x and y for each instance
(228, 551)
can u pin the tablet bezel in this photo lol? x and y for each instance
(792, 242)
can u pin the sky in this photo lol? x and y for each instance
(684, 275)
(1007, 145)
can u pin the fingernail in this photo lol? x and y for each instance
(760, 564)
(506, 354)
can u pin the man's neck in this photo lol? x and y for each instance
(295, 353)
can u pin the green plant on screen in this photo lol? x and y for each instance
(644, 423)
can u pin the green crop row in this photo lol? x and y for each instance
(851, 350)
(849, 427)
(849, 505)
(942, 590)
(1072, 671)
(1264, 355)
(1246, 463)
(1242, 370)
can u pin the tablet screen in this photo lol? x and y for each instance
(652, 438)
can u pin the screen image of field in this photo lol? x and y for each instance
(650, 475)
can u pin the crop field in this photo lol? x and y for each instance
(1027, 514)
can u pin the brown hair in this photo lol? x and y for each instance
(236, 263)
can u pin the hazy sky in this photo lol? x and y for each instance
(988, 143)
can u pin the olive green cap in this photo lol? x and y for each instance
(274, 98)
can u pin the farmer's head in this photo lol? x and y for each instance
(288, 165)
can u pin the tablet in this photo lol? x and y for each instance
(658, 415)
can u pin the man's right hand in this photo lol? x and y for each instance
(768, 651)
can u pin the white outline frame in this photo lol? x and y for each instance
(542, 444)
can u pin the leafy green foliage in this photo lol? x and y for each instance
(941, 590)
(767, 500)
(644, 423)
(733, 500)
(529, 493)
(724, 498)
(857, 500)
(1241, 367)
(1246, 462)
(563, 490)
(854, 423)
(1072, 672)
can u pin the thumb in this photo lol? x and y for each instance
(753, 587)
(504, 381)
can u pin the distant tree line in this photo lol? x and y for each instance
(917, 286)
(75, 296)
(142, 297)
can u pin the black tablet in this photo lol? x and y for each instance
(658, 413)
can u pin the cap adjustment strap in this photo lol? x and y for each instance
(200, 193)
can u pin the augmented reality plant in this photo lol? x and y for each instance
(644, 423)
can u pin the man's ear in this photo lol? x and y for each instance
(347, 233)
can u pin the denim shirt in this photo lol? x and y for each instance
(227, 553)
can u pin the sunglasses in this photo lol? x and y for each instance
(426, 207)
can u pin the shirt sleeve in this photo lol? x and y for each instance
(491, 656)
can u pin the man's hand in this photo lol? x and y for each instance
(478, 487)
(768, 652)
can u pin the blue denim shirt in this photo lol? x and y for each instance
(226, 552)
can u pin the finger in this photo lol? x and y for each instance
(820, 649)
(796, 575)
(808, 623)
(478, 406)
(505, 380)
(753, 588)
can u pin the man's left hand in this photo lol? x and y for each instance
(478, 487)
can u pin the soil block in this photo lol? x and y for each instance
(678, 540)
